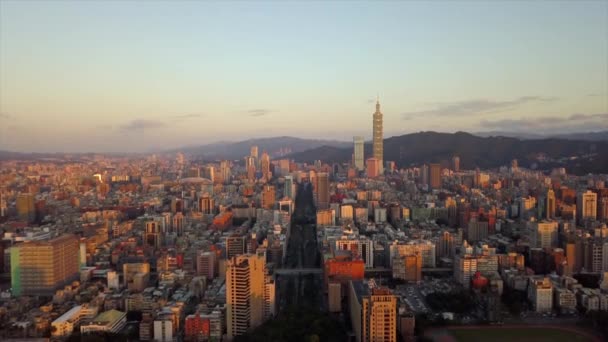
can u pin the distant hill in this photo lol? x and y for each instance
(474, 151)
(588, 136)
(275, 146)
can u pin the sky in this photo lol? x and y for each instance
(111, 76)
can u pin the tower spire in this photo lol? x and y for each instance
(377, 102)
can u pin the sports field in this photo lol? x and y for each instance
(519, 334)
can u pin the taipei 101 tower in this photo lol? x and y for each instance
(377, 137)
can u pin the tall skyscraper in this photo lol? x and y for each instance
(359, 153)
(378, 137)
(322, 190)
(250, 295)
(456, 163)
(546, 234)
(254, 152)
(373, 312)
(41, 267)
(289, 188)
(268, 197)
(265, 166)
(25, 207)
(550, 205)
(586, 205)
(435, 176)
(372, 167)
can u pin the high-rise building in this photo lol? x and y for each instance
(235, 245)
(153, 234)
(550, 205)
(586, 205)
(265, 166)
(225, 172)
(546, 234)
(456, 163)
(268, 197)
(209, 173)
(250, 295)
(362, 247)
(359, 153)
(289, 188)
(254, 152)
(372, 167)
(322, 190)
(205, 264)
(373, 312)
(477, 230)
(26, 209)
(41, 267)
(435, 176)
(206, 204)
(378, 137)
(540, 293)
(408, 267)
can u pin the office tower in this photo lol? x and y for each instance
(268, 197)
(254, 152)
(602, 208)
(322, 190)
(153, 234)
(249, 293)
(372, 167)
(136, 275)
(546, 233)
(225, 171)
(178, 224)
(550, 205)
(445, 245)
(435, 176)
(540, 293)
(206, 204)
(456, 163)
(424, 174)
(41, 267)
(194, 172)
(586, 205)
(265, 166)
(570, 259)
(209, 173)
(283, 166)
(205, 264)
(235, 245)
(425, 247)
(3, 210)
(373, 312)
(408, 267)
(25, 207)
(465, 266)
(378, 143)
(359, 153)
(289, 188)
(477, 230)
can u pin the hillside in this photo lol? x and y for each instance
(275, 146)
(474, 151)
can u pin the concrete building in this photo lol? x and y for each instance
(586, 205)
(359, 155)
(540, 293)
(41, 267)
(545, 234)
(111, 321)
(249, 293)
(373, 312)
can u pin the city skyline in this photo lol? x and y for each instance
(154, 76)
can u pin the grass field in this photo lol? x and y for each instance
(516, 334)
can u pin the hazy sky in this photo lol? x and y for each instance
(128, 76)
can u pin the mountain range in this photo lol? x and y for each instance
(579, 153)
(578, 156)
